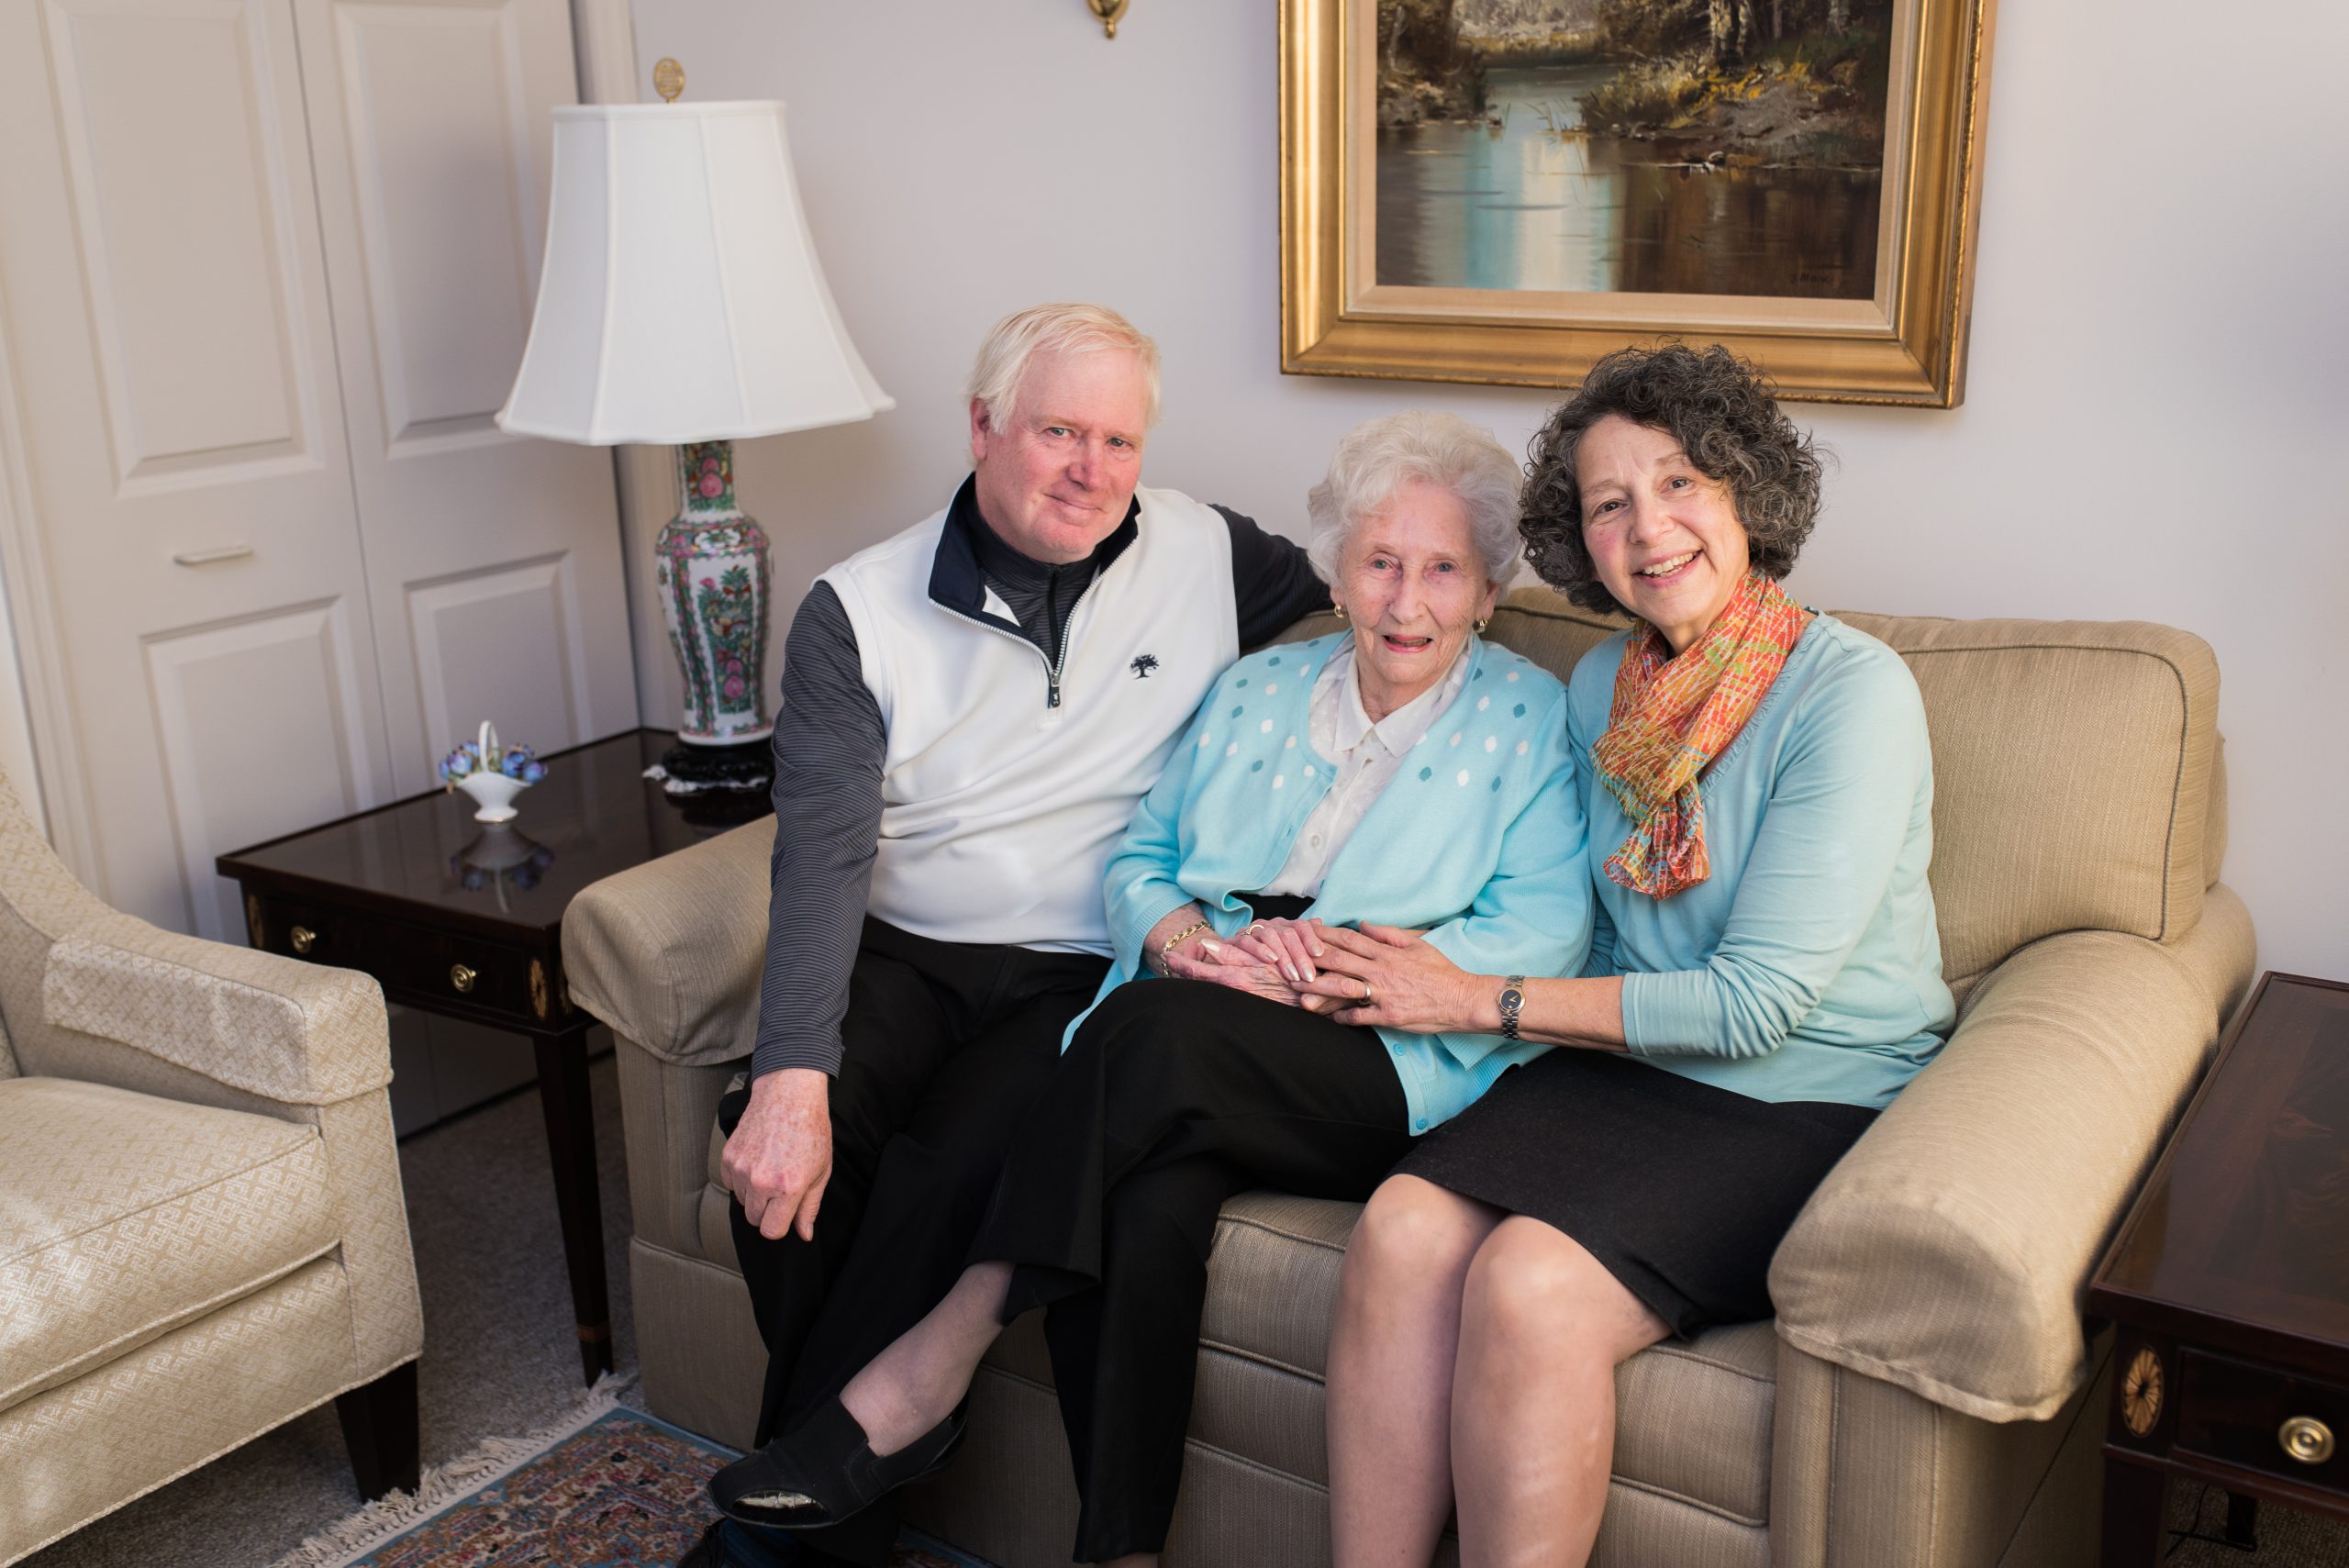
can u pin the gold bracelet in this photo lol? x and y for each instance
(1179, 938)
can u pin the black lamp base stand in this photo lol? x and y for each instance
(748, 765)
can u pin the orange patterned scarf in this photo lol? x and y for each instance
(1672, 717)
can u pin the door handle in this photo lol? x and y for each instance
(213, 556)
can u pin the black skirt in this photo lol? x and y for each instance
(1682, 1189)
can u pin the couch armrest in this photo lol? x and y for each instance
(1949, 1252)
(292, 1032)
(669, 952)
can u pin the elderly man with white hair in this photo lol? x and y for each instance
(1402, 777)
(971, 710)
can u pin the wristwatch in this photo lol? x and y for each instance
(1512, 999)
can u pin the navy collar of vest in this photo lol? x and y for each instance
(956, 580)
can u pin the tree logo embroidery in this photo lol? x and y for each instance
(1143, 664)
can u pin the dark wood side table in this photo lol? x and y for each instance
(458, 918)
(2229, 1282)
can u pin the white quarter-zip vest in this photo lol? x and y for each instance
(999, 810)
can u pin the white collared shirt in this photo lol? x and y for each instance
(1364, 756)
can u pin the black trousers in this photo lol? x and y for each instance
(946, 1045)
(1174, 1096)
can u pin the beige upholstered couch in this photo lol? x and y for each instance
(1928, 1396)
(201, 1231)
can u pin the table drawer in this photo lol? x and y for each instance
(461, 974)
(2236, 1412)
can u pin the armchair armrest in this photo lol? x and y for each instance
(669, 952)
(273, 1027)
(1949, 1252)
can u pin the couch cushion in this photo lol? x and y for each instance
(1693, 1421)
(2072, 776)
(123, 1217)
(1694, 1416)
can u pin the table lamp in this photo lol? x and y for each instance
(682, 304)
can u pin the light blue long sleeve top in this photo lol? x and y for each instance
(1478, 838)
(1808, 965)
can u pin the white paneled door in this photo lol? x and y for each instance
(168, 331)
(265, 271)
(492, 560)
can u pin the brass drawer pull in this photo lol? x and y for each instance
(303, 938)
(462, 975)
(2307, 1439)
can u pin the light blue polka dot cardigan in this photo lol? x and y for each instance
(1478, 838)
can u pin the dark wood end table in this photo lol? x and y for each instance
(2229, 1282)
(464, 918)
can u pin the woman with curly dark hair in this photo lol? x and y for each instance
(1764, 976)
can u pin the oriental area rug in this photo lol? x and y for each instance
(606, 1488)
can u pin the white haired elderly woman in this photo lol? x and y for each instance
(1401, 770)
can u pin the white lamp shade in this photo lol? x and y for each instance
(682, 299)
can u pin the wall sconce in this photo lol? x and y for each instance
(1109, 11)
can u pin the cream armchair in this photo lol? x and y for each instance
(201, 1228)
(1929, 1395)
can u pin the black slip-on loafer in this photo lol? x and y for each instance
(823, 1471)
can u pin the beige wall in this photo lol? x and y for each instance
(2155, 425)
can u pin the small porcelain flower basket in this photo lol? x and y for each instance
(490, 773)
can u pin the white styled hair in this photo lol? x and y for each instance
(1378, 457)
(1068, 328)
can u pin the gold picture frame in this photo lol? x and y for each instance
(1904, 344)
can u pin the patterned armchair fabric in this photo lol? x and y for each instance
(201, 1227)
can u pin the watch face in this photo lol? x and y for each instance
(1512, 998)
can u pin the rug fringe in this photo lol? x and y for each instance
(490, 1461)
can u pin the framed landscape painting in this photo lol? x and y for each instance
(1503, 190)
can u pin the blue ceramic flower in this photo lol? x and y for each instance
(516, 762)
(521, 762)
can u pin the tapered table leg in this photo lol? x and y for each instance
(571, 1140)
(2132, 1514)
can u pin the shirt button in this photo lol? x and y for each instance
(1421, 1125)
(1395, 1049)
(1317, 840)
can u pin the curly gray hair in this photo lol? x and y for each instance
(1720, 410)
(1377, 458)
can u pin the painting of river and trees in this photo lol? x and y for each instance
(1675, 147)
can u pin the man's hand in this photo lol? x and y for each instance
(781, 1154)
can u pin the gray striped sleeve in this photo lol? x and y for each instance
(828, 747)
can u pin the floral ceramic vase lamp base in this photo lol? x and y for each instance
(711, 568)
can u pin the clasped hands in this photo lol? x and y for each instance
(1376, 975)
